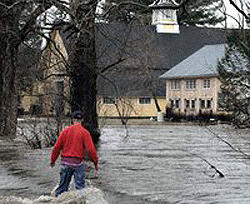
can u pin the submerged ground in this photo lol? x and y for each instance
(152, 164)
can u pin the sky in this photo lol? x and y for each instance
(232, 11)
(231, 23)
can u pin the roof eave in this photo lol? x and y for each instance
(190, 76)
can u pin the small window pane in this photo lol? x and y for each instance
(177, 103)
(208, 103)
(187, 103)
(145, 100)
(193, 104)
(172, 103)
(109, 100)
(202, 103)
(190, 84)
(174, 85)
(206, 83)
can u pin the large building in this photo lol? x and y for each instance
(193, 85)
(130, 60)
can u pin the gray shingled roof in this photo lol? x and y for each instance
(202, 63)
(131, 82)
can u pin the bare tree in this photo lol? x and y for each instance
(18, 20)
(234, 70)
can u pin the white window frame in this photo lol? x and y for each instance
(190, 84)
(145, 100)
(175, 103)
(174, 84)
(193, 103)
(209, 102)
(206, 83)
(187, 103)
(202, 103)
(109, 100)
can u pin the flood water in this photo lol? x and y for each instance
(153, 164)
(172, 164)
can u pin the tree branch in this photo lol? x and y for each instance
(62, 7)
(27, 28)
(111, 65)
(13, 5)
(211, 165)
(173, 6)
(54, 43)
(132, 3)
(226, 142)
(238, 9)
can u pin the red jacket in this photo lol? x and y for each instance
(73, 142)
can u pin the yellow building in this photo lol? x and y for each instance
(47, 95)
(50, 94)
(130, 95)
(131, 88)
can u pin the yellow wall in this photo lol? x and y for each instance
(53, 63)
(130, 107)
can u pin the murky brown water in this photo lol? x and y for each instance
(155, 164)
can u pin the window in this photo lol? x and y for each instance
(145, 100)
(193, 104)
(172, 103)
(175, 85)
(109, 100)
(190, 103)
(175, 103)
(191, 84)
(202, 103)
(206, 83)
(187, 103)
(208, 103)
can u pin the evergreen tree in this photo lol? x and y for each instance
(234, 72)
(200, 12)
(195, 12)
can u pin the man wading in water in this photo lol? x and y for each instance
(71, 146)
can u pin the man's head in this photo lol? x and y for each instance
(77, 116)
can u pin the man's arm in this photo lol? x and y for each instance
(56, 150)
(89, 145)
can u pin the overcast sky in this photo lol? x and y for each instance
(232, 23)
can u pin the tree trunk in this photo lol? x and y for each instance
(83, 64)
(9, 43)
